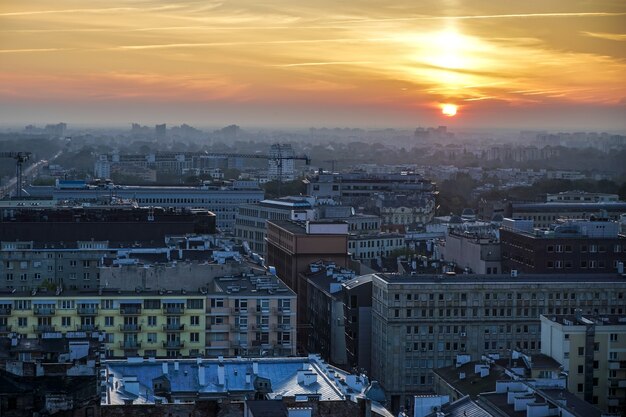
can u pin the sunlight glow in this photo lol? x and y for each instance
(448, 109)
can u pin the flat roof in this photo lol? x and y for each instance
(502, 278)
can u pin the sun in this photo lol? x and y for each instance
(448, 109)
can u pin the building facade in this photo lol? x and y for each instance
(577, 246)
(471, 252)
(422, 322)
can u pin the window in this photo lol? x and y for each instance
(613, 337)
(195, 304)
(107, 304)
(22, 321)
(194, 337)
(152, 321)
(154, 304)
(581, 350)
(109, 321)
(194, 320)
(66, 321)
(152, 337)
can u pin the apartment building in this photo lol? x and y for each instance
(475, 253)
(245, 315)
(374, 246)
(592, 351)
(251, 315)
(135, 323)
(545, 214)
(422, 322)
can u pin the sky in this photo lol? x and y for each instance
(558, 64)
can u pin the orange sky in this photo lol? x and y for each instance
(526, 64)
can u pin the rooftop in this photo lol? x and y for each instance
(211, 378)
(583, 320)
(473, 279)
(253, 285)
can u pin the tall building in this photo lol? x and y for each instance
(293, 246)
(160, 131)
(592, 351)
(281, 163)
(575, 246)
(423, 322)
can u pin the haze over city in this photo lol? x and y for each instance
(535, 64)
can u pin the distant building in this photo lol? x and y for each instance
(281, 163)
(592, 351)
(374, 246)
(250, 220)
(160, 131)
(224, 200)
(409, 210)
(357, 186)
(575, 246)
(581, 197)
(546, 214)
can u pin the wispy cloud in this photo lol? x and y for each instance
(620, 37)
(315, 64)
(27, 50)
(482, 17)
(94, 11)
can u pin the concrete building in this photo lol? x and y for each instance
(592, 352)
(581, 197)
(223, 200)
(576, 246)
(250, 220)
(422, 322)
(474, 253)
(358, 186)
(546, 214)
(281, 163)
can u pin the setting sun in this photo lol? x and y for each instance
(448, 109)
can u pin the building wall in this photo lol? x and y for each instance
(418, 326)
(594, 357)
(480, 255)
(530, 254)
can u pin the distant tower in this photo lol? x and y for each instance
(160, 131)
(281, 163)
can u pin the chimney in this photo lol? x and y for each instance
(248, 378)
(176, 365)
(201, 375)
(221, 375)
(164, 365)
(255, 368)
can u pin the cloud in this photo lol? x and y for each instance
(620, 37)
(95, 11)
(15, 51)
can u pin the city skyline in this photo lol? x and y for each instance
(536, 65)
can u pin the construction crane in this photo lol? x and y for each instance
(20, 158)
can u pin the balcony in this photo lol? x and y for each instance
(5, 328)
(5, 311)
(239, 327)
(44, 328)
(283, 327)
(218, 344)
(177, 311)
(87, 311)
(173, 327)
(130, 344)
(132, 327)
(616, 365)
(86, 328)
(130, 311)
(173, 344)
(45, 311)
(222, 327)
